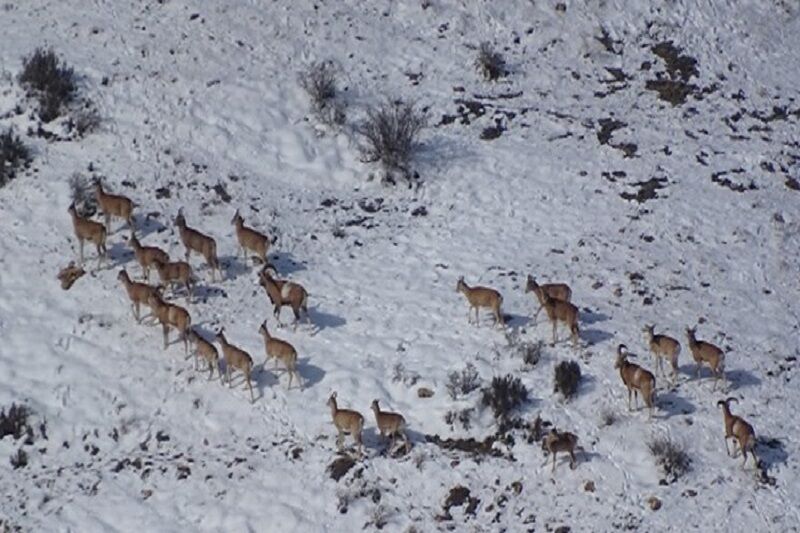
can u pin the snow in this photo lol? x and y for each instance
(193, 102)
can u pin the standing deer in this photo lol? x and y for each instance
(556, 291)
(282, 292)
(146, 255)
(171, 315)
(478, 297)
(739, 430)
(560, 441)
(236, 358)
(175, 272)
(113, 205)
(250, 239)
(561, 311)
(138, 293)
(283, 351)
(88, 230)
(206, 351)
(347, 422)
(390, 425)
(663, 347)
(705, 352)
(636, 379)
(195, 241)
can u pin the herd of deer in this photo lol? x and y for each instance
(554, 298)
(172, 316)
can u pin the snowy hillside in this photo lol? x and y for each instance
(645, 153)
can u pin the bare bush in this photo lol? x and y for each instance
(530, 352)
(14, 422)
(390, 135)
(504, 395)
(19, 459)
(319, 82)
(670, 456)
(567, 378)
(462, 416)
(406, 377)
(14, 155)
(50, 81)
(82, 195)
(84, 119)
(464, 382)
(490, 63)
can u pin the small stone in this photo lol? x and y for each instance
(424, 392)
(589, 486)
(654, 503)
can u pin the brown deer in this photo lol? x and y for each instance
(138, 293)
(556, 291)
(390, 425)
(705, 352)
(561, 311)
(560, 441)
(478, 297)
(636, 379)
(113, 205)
(282, 292)
(146, 255)
(283, 351)
(88, 230)
(346, 422)
(195, 241)
(663, 347)
(206, 351)
(739, 430)
(171, 315)
(236, 358)
(250, 239)
(175, 272)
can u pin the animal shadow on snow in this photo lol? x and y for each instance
(736, 378)
(594, 336)
(741, 378)
(203, 291)
(516, 322)
(321, 320)
(587, 316)
(562, 461)
(770, 451)
(233, 266)
(145, 226)
(118, 255)
(381, 445)
(285, 263)
(672, 404)
(310, 374)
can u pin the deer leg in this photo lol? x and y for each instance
(250, 386)
(629, 399)
(135, 308)
(573, 463)
(727, 449)
(477, 317)
(80, 248)
(165, 330)
(555, 454)
(555, 326)
(536, 315)
(228, 375)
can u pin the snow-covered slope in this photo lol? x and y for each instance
(200, 97)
